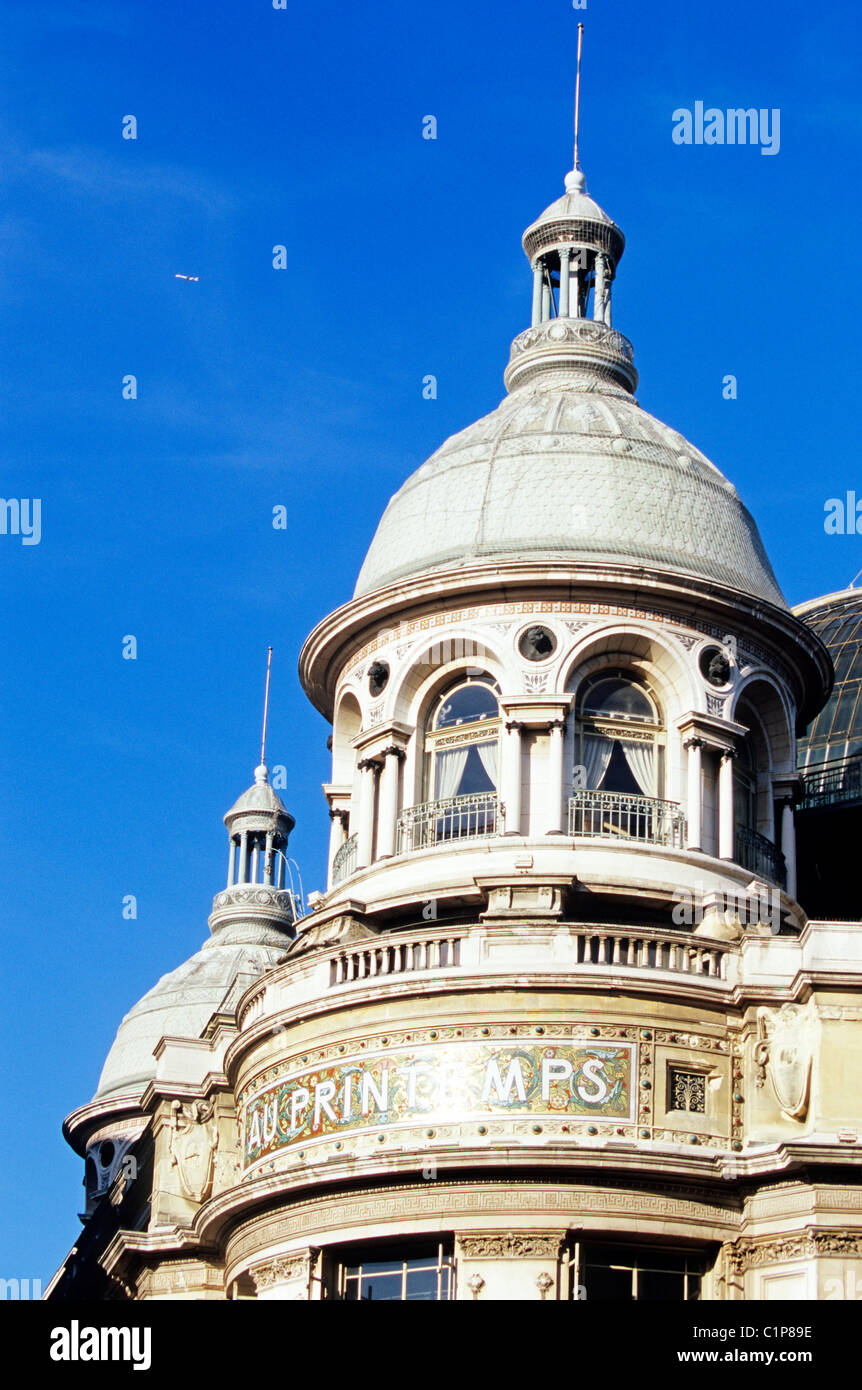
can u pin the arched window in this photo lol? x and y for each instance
(462, 739)
(619, 736)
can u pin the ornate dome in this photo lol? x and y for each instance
(180, 1006)
(561, 471)
(568, 466)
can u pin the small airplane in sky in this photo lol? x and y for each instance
(187, 277)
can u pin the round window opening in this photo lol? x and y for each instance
(714, 666)
(378, 677)
(537, 644)
(106, 1153)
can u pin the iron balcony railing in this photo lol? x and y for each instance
(753, 851)
(832, 785)
(618, 816)
(438, 822)
(345, 860)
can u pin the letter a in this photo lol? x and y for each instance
(834, 524)
(682, 131)
(279, 257)
(130, 127)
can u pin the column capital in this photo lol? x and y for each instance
(338, 813)
(365, 763)
(694, 742)
(393, 751)
(728, 754)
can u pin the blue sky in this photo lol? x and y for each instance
(302, 387)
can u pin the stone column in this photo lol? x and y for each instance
(537, 292)
(368, 769)
(695, 793)
(269, 858)
(788, 845)
(546, 298)
(726, 836)
(555, 777)
(511, 779)
(337, 836)
(387, 820)
(243, 858)
(600, 290)
(564, 282)
(231, 868)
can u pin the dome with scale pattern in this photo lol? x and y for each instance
(561, 472)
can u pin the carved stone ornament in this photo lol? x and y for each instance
(283, 1269)
(784, 1052)
(194, 1140)
(747, 1254)
(527, 1245)
(475, 1284)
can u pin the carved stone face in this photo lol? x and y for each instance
(537, 644)
(378, 677)
(715, 666)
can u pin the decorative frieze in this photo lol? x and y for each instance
(524, 1245)
(753, 1254)
(284, 1269)
(748, 652)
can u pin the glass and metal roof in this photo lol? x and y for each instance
(836, 733)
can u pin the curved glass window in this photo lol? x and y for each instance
(467, 703)
(618, 742)
(617, 698)
(462, 740)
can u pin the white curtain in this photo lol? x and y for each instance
(597, 755)
(489, 754)
(450, 770)
(641, 760)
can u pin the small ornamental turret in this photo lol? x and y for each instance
(574, 249)
(259, 825)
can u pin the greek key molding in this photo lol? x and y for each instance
(408, 1203)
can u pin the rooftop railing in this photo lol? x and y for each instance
(831, 785)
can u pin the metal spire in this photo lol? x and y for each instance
(578, 92)
(265, 707)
